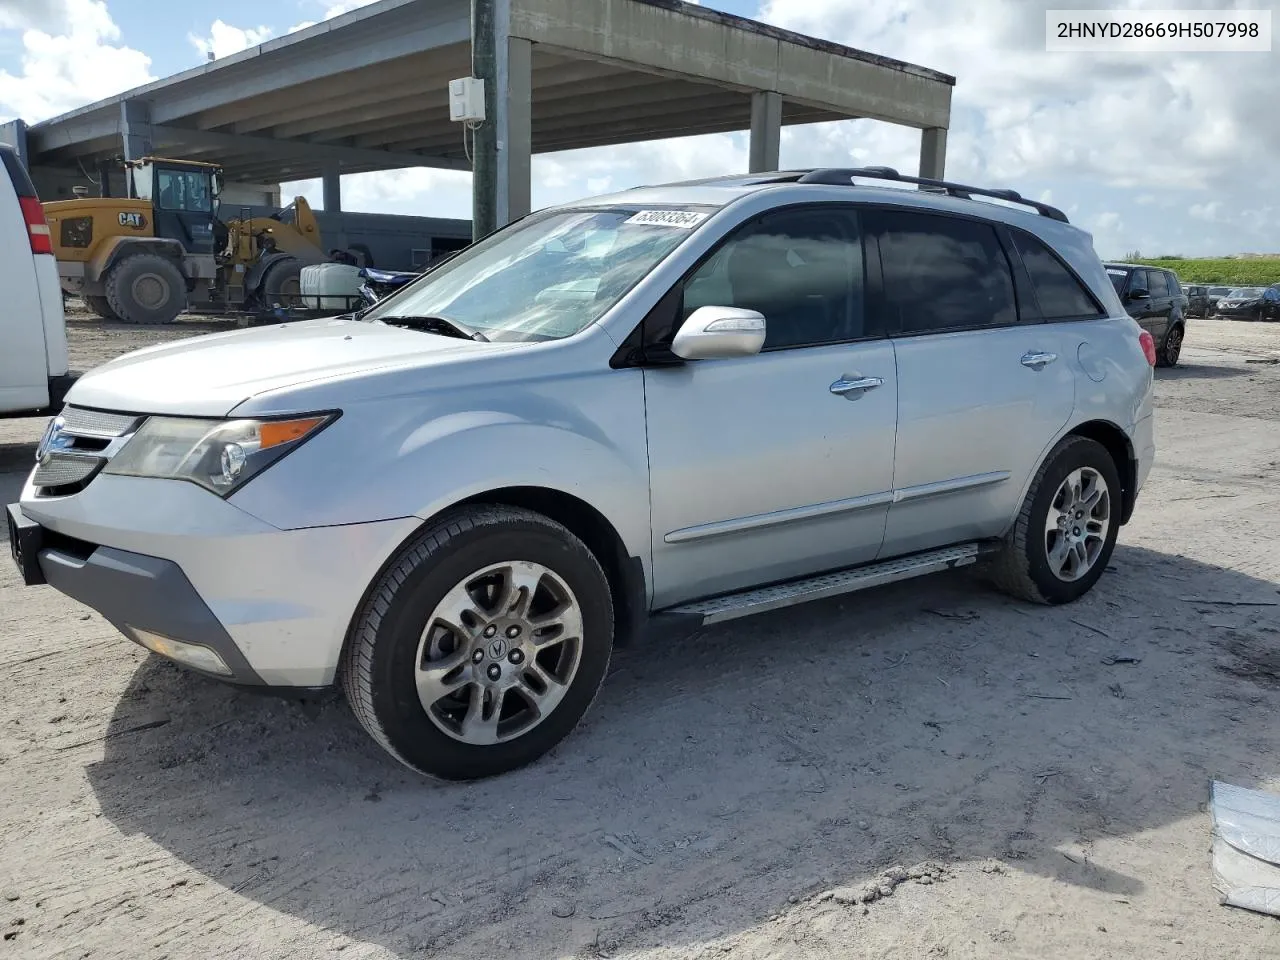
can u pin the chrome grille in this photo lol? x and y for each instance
(76, 445)
(94, 423)
(60, 470)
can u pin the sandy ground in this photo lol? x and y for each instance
(928, 770)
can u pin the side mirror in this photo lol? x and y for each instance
(719, 333)
(1139, 294)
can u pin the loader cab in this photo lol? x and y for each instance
(183, 197)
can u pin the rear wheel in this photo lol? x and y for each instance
(101, 306)
(1172, 347)
(482, 645)
(1067, 528)
(146, 288)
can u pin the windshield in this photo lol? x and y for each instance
(1242, 293)
(547, 277)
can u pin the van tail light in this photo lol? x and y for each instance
(37, 226)
(1148, 346)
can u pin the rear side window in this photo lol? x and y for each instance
(1159, 283)
(941, 273)
(1060, 295)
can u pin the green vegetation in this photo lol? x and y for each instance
(1250, 272)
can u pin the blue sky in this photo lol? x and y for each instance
(1163, 153)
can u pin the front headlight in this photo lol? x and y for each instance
(219, 455)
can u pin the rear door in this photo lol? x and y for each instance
(24, 368)
(980, 391)
(1161, 307)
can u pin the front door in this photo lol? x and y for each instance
(771, 467)
(982, 390)
(183, 204)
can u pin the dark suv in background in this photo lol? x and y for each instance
(1154, 297)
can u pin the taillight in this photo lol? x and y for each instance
(1148, 346)
(37, 226)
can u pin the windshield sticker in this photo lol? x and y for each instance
(680, 219)
(1118, 273)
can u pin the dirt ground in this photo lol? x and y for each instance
(928, 770)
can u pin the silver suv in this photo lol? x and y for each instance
(671, 406)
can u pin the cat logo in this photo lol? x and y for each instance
(135, 220)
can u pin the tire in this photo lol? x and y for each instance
(146, 288)
(1023, 568)
(400, 628)
(282, 285)
(101, 306)
(1171, 349)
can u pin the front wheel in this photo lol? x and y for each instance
(1066, 531)
(482, 646)
(1172, 348)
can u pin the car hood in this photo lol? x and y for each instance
(213, 374)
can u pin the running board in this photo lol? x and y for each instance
(735, 605)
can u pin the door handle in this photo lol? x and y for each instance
(1037, 360)
(852, 387)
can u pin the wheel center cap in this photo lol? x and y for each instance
(497, 648)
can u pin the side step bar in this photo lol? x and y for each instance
(735, 605)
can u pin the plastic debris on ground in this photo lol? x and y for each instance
(1246, 847)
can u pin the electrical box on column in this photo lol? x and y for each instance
(466, 100)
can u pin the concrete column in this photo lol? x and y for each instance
(332, 186)
(933, 152)
(766, 131)
(14, 133)
(515, 137)
(135, 129)
(485, 51)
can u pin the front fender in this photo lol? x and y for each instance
(388, 459)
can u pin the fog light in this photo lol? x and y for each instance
(191, 654)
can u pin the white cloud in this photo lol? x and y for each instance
(225, 39)
(67, 49)
(1206, 211)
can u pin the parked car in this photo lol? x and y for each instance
(661, 409)
(1212, 297)
(33, 335)
(1250, 303)
(1154, 298)
(1197, 300)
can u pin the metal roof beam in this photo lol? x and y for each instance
(167, 135)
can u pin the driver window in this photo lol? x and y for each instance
(802, 269)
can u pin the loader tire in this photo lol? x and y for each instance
(146, 288)
(282, 286)
(101, 306)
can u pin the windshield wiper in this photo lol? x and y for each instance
(441, 325)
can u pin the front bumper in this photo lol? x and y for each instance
(170, 559)
(1230, 313)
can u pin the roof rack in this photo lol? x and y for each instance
(842, 177)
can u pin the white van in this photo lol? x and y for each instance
(33, 333)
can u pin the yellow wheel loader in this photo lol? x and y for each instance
(163, 249)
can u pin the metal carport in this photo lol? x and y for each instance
(368, 91)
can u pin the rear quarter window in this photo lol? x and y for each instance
(1058, 291)
(17, 172)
